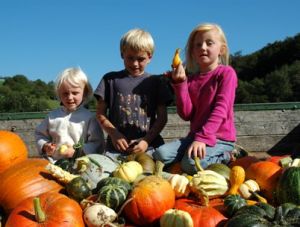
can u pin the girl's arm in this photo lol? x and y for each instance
(183, 100)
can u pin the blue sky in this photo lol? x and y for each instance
(40, 38)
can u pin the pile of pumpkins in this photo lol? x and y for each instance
(94, 190)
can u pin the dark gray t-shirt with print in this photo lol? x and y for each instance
(132, 102)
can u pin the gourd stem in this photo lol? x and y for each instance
(197, 164)
(40, 215)
(158, 168)
(123, 206)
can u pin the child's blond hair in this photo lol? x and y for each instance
(75, 77)
(137, 40)
(191, 65)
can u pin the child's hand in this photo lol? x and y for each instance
(119, 141)
(197, 149)
(66, 150)
(49, 148)
(178, 74)
(137, 146)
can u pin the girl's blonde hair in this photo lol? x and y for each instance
(191, 65)
(77, 78)
(137, 40)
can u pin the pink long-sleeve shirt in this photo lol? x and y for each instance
(206, 100)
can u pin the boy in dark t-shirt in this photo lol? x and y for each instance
(136, 101)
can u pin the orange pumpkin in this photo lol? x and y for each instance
(149, 200)
(25, 179)
(266, 174)
(244, 162)
(58, 210)
(12, 149)
(204, 216)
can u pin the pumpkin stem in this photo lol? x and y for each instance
(40, 215)
(158, 168)
(197, 164)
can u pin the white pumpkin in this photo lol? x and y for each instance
(98, 215)
(94, 167)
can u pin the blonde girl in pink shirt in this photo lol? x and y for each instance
(205, 94)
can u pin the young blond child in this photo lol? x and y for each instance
(72, 123)
(136, 101)
(205, 97)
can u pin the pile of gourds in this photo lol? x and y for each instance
(94, 190)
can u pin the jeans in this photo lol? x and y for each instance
(175, 151)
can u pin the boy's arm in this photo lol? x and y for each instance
(118, 139)
(159, 124)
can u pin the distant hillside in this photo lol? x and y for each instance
(271, 74)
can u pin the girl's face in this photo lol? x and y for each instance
(71, 96)
(136, 61)
(207, 48)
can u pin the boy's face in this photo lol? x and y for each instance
(136, 61)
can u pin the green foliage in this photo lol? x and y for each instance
(270, 74)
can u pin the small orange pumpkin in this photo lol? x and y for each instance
(52, 209)
(205, 216)
(149, 200)
(25, 179)
(12, 149)
(266, 174)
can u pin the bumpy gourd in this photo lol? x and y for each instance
(176, 59)
(128, 171)
(176, 218)
(212, 183)
(236, 178)
(180, 185)
(246, 188)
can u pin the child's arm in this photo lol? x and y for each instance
(154, 131)
(118, 139)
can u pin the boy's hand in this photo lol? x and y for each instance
(119, 141)
(49, 148)
(197, 149)
(137, 146)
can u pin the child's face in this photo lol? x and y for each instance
(207, 48)
(136, 61)
(71, 96)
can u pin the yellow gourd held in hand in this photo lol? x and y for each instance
(176, 59)
(63, 149)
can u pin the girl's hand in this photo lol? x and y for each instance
(49, 148)
(178, 74)
(137, 146)
(119, 141)
(197, 149)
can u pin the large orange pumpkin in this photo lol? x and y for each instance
(204, 216)
(12, 149)
(25, 179)
(266, 174)
(59, 210)
(150, 198)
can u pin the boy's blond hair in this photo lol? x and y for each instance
(137, 40)
(75, 77)
(191, 65)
